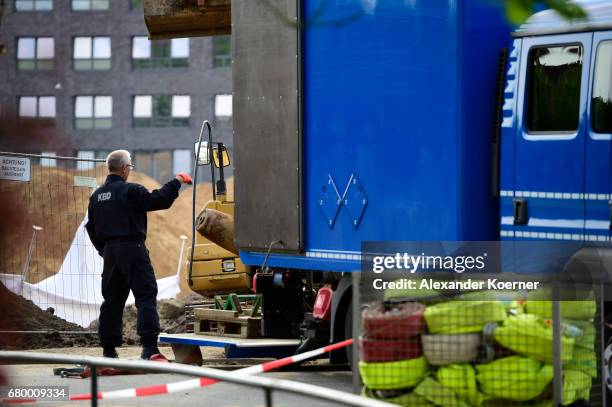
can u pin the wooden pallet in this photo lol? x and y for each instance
(189, 313)
(226, 323)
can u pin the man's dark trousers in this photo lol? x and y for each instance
(127, 266)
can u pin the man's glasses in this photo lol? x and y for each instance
(131, 166)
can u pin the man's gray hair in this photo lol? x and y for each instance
(117, 159)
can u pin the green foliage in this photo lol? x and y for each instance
(519, 10)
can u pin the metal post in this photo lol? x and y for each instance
(268, 395)
(26, 265)
(557, 364)
(180, 259)
(94, 386)
(602, 339)
(206, 124)
(211, 161)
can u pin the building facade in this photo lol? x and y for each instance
(86, 72)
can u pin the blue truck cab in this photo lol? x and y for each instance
(556, 129)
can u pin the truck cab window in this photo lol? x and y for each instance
(553, 88)
(601, 105)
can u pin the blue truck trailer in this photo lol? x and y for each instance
(377, 125)
(365, 120)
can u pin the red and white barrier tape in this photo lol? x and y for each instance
(203, 382)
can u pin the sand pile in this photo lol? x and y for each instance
(52, 201)
(49, 200)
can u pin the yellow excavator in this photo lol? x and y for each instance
(215, 268)
(214, 265)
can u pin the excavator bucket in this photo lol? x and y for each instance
(189, 18)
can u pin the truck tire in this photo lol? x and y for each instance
(342, 321)
(348, 331)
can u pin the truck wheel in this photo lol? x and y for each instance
(342, 321)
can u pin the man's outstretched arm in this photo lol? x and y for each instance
(161, 198)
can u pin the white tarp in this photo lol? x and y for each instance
(75, 292)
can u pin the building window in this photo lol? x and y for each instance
(93, 112)
(160, 53)
(553, 88)
(161, 111)
(136, 4)
(86, 165)
(35, 53)
(33, 5)
(156, 164)
(181, 161)
(102, 154)
(222, 51)
(40, 107)
(82, 5)
(92, 53)
(601, 105)
(223, 107)
(48, 162)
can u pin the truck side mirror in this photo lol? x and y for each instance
(204, 157)
(224, 156)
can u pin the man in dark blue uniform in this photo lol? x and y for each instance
(117, 227)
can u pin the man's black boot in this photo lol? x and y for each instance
(110, 352)
(148, 351)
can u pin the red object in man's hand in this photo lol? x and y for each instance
(184, 178)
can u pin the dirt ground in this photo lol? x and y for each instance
(172, 318)
(20, 314)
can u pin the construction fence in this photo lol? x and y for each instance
(420, 344)
(46, 256)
